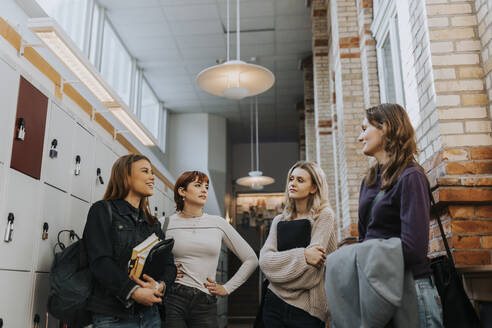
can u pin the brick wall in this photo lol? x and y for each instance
(461, 170)
(350, 101)
(309, 124)
(322, 96)
(302, 131)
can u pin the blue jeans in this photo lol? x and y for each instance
(279, 314)
(147, 318)
(429, 303)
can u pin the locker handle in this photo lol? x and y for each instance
(77, 165)
(21, 132)
(44, 235)
(53, 150)
(9, 229)
(98, 173)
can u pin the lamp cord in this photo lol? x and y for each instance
(237, 33)
(257, 141)
(251, 130)
(228, 32)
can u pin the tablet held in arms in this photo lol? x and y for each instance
(149, 257)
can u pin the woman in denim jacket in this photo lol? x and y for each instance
(118, 300)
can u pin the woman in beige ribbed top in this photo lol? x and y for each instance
(296, 296)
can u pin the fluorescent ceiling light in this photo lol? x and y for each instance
(55, 39)
(124, 117)
(48, 31)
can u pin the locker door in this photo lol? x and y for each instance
(14, 298)
(9, 87)
(41, 291)
(27, 153)
(57, 170)
(77, 215)
(22, 200)
(83, 158)
(104, 159)
(159, 185)
(55, 215)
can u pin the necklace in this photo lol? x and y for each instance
(192, 216)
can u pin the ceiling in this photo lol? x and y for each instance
(173, 40)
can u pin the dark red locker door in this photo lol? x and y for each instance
(32, 107)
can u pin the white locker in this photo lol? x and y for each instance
(159, 185)
(15, 298)
(104, 160)
(78, 215)
(82, 161)
(55, 215)
(9, 89)
(58, 170)
(39, 306)
(22, 200)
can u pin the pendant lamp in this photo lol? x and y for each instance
(255, 179)
(235, 79)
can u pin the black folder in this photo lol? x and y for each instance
(156, 261)
(293, 234)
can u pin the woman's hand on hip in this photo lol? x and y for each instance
(214, 288)
(315, 256)
(145, 296)
(179, 274)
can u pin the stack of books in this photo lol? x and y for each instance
(150, 257)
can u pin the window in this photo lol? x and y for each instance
(96, 35)
(72, 16)
(385, 29)
(116, 63)
(149, 109)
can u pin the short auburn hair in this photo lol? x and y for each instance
(183, 181)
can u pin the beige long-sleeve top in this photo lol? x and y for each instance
(291, 277)
(197, 243)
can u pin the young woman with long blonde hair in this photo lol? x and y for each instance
(296, 296)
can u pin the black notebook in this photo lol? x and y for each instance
(293, 234)
(156, 261)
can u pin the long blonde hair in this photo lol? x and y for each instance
(317, 201)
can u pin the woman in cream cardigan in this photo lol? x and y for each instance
(296, 296)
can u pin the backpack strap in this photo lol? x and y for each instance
(110, 211)
(441, 229)
(166, 223)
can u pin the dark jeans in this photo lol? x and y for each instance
(279, 314)
(188, 307)
(146, 318)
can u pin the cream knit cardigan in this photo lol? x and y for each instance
(291, 278)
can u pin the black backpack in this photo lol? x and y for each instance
(71, 282)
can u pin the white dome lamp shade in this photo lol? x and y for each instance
(255, 179)
(235, 79)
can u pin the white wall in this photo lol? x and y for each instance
(275, 161)
(198, 142)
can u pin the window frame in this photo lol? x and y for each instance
(384, 26)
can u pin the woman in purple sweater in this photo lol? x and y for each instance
(403, 204)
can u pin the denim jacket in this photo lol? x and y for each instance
(109, 248)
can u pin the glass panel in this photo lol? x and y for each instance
(96, 15)
(389, 76)
(136, 85)
(116, 63)
(70, 15)
(149, 110)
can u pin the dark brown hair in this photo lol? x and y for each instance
(119, 186)
(183, 181)
(398, 142)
